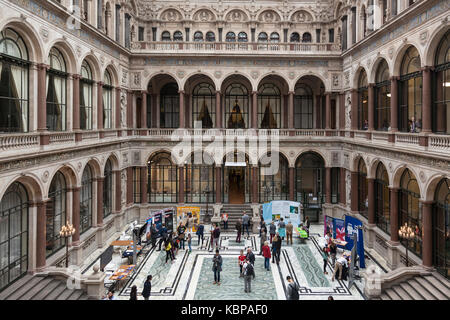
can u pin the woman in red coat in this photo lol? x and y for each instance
(266, 255)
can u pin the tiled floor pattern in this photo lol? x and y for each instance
(191, 277)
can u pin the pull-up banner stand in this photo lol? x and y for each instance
(355, 226)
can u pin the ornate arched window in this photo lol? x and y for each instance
(177, 36)
(242, 37)
(210, 36)
(441, 228)
(56, 91)
(441, 85)
(309, 174)
(198, 36)
(236, 180)
(200, 179)
(13, 234)
(382, 98)
(86, 199)
(363, 199)
(363, 102)
(303, 107)
(107, 189)
(165, 36)
(170, 106)
(107, 101)
(410, 92)
(295, 37)
(262, 37)
(382, 200)
(230, 37)
(273, 178)
(274, 37)
(86, 96)
(204, 105)
(162, 179)
(269, 106)
(56, 215)
(409, 209)
(236, 106)
(13, 82)
(306, 37)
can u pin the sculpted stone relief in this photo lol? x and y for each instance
(348, 111)
(123, 108)
(236, 16)
(269, 16)
(203, 15)
(171, 15)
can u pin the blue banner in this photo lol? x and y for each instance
(339, 229)
(267, 212)
(351, 227)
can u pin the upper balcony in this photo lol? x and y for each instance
(226, 48)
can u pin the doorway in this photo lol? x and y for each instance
(236, 183)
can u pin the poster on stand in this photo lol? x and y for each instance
(168, 218)
(353, 225)
(184, 212)
(288, 210)
(328, 226)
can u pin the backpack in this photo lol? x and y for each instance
(216, 233)
(249, 271)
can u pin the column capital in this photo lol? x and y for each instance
(427, 68)
(254, 92)
(181, 92)
(291, 92)
(426, 202)
(100, 83)
(130, 91)
(41, 66)
(144, 92)
(394, 78)
(118, 89)
(72, 189)
(371, 85)
(99, 179)
(218, 92)
(75, 76)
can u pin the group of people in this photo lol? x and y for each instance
(330, 251)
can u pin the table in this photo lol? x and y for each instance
(339, 242)
(122, 243)
(122, 273)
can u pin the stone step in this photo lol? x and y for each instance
(65, 294)
(50, 288)
(411, 291)
(442, 279)
(438, 285)
(392, 294)
(76, 294)
(57, 291)
(431, 289)
(25, 288)
(401, 292)
(15, 286)
(40, 286)
(421, 290)
(84, 297)
(384, 296)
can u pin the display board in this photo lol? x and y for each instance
(184, 212)
(289, 210)
(354, 226)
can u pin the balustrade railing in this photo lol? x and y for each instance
(407, 138)
(439, 142)
(61, 137)
(24, 140)
(380, 136)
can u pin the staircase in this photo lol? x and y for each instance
(41, 288)
(422, 287)
(235, 212)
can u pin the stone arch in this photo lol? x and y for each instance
(114, 74)
(372, 75)
(30, 37)
(285, 84)
(356, 76)
(240, 75)
(252, 159)
(167, 10)
(69, 173)
(373, 167)
(161, 150)
(277, 17)
(398, 56)
(432, 45)
(93, 63)
(281, 153)
(291, 16)
(68, 54)
(189, 155)
(337, 10)
(397, 175)
(32, 184)
(354, 163)
(233, 11)
(204, 8)
(311, 74)
(114, 162)
(152, 76)
(431, 185)
(94, 163)
(192, 76)
(312, 150)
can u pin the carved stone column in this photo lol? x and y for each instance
(254, 109)
(342, 191)
(218, 110)
(144, 178)
(99, 105)
(181, 184)
(129, 191)
(76, 214)
(371, 106)
(100, 186)
(291, 183)
(40, 235)
(143, 117)
(182, 115)
(328, 185)
(427, 241)
(291, 110)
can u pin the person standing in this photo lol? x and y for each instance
(292, 289)
(146, 292)
(133, 293)
(216, 237)
(200, 233)
(245, 223)
(272, 230)
(289, 231)
(340, 263)
(249, 273)
(163, 233)
(307, 225)
(282, 229)
(189, 240)
(241, 260)
(325, 260)
(266, 255)
(238, 229)
(261, 224)
(225, 221)
(190, 223)
(277, 244)
(153, 235)
(250, 256)
(333, 252)
(168, 248)
(181, 234)
(263, 238)
(217, 267)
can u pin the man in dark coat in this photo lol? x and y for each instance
(147, 288)
(250, 256)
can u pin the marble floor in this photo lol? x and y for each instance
(190, 276)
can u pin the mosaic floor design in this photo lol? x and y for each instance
(190, 276)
